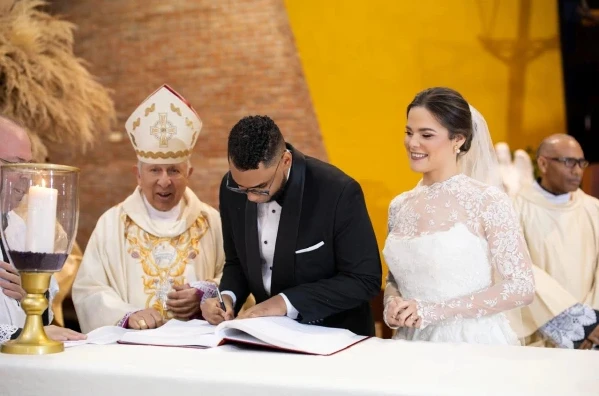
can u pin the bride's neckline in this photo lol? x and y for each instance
(438, 184)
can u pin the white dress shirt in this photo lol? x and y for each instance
(269, 214)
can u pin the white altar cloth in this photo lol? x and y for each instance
(373, 367)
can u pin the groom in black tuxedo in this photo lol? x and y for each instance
(296, 233)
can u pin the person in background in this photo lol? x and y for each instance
(16, 148)
(561, 227)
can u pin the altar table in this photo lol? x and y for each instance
(372, 367)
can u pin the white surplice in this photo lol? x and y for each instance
(562, 233)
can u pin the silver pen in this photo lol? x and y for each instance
(220, 300)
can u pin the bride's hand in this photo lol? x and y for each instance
(391, 311)
(408, 314)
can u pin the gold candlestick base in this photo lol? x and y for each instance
(33, 339)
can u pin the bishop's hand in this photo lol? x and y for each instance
(148, 318)
(183, 302)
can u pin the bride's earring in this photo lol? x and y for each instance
(456, 149)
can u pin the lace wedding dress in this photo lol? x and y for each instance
(456, 248)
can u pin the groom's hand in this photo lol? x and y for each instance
(213, 313)
(274, 306)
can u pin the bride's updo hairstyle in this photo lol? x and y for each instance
(450, 109)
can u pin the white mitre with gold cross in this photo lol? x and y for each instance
(164, 128)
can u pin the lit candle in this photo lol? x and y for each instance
(41, 219)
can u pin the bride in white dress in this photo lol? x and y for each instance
(456, 254)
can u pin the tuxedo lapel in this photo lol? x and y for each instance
(283, 272)
(254, 262)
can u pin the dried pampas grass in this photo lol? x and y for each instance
(39, 152)
(43, 85)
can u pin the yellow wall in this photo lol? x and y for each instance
(365, 60)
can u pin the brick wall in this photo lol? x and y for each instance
(228, 58)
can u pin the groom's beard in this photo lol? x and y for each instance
(279, 194)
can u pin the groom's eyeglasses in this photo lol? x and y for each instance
(251, 190)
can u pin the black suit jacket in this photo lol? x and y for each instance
(329, 286)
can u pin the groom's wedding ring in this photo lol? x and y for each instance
(142, 323)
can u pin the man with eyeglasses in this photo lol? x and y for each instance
(561, 226)
(297, 235)
(16, 148)
(157, 254)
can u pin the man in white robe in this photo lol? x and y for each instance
(561, 226)
(159, 253)
(16, 148)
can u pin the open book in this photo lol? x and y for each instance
(279, 333)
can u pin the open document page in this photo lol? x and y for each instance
(283, 333)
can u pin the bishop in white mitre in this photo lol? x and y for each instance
(159, 253)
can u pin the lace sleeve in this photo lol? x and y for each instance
(570, 326)
(6, 332)
(510, 259)
(391, 288)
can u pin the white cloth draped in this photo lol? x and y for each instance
(374, 367)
